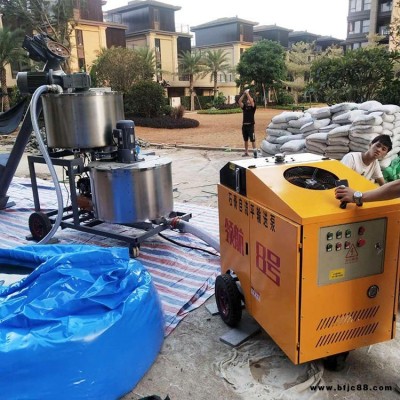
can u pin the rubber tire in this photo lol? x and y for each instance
(134, 251)
(39, 225)
(336, 362)
(228, 299)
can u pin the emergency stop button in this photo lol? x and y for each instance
(361, 242)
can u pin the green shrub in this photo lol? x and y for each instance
(232, 106)
(145, 99)
(178, 112)
(284, 98)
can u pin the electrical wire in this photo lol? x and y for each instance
(187, 246)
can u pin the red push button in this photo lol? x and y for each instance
(361, 230)
(361, 242)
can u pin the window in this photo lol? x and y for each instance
(79, 37)
(367, 5)
(117, 18)
(157, 45)
(355, 5)
(384, 30)
(359, 26)
(156, 19)
(386, 6)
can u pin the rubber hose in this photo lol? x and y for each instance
(36, 95)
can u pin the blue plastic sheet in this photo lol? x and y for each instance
(86, 323)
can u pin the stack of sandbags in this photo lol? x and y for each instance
(283, 129)
(334, 131)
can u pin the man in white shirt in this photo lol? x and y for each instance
(366, 164)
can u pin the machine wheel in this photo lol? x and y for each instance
(134, 251)
(336, 362)
(39, 225)
(229, 300)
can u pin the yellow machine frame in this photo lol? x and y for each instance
(320, 280)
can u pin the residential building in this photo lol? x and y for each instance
(151, 24)
(233, 36)
(369, 17)
(91, 34)
(272, 32)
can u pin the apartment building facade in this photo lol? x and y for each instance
(369, 17)
(151, 24)
(231, 35)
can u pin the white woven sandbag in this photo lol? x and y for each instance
(341, 130)
(369, 105)
(270, 148)
(319, 113)
(293, 146)
(286, 116)
(348, 117)
(298, 123)
(276, 132)
(343, 107)
(387, 108)
(367, 119)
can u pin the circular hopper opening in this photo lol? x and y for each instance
(310, 178)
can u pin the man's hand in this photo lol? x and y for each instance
(344, 193)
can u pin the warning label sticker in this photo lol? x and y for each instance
(352, 254)
(336, 274)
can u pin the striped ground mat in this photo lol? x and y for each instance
(183, 276)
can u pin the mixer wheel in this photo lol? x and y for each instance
(39, 225)
(229, 300)
(336, 362)
(134, 251)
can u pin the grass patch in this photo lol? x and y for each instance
(215, 111)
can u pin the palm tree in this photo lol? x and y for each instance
(216, 61)
(10, 52)
(191, 64)
(147, 62)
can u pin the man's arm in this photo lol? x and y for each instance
(240, 101)
(388, 191)
(251, 100)
(380, 181)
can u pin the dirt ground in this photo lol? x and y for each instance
(214, 130)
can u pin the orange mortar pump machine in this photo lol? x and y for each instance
(320, 279)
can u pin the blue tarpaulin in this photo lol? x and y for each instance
(86, 323)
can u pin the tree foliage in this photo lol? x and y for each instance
(145, 99)
(10, 52)
(394, 29)
(53, 17)
(215, 62)
(120, 68)
(264, 64)
(299, 59)
(191, 65)
(358, 76)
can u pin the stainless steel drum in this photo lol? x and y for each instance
(129, 193)
(83, 120)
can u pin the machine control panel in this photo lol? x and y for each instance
(351, 251)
